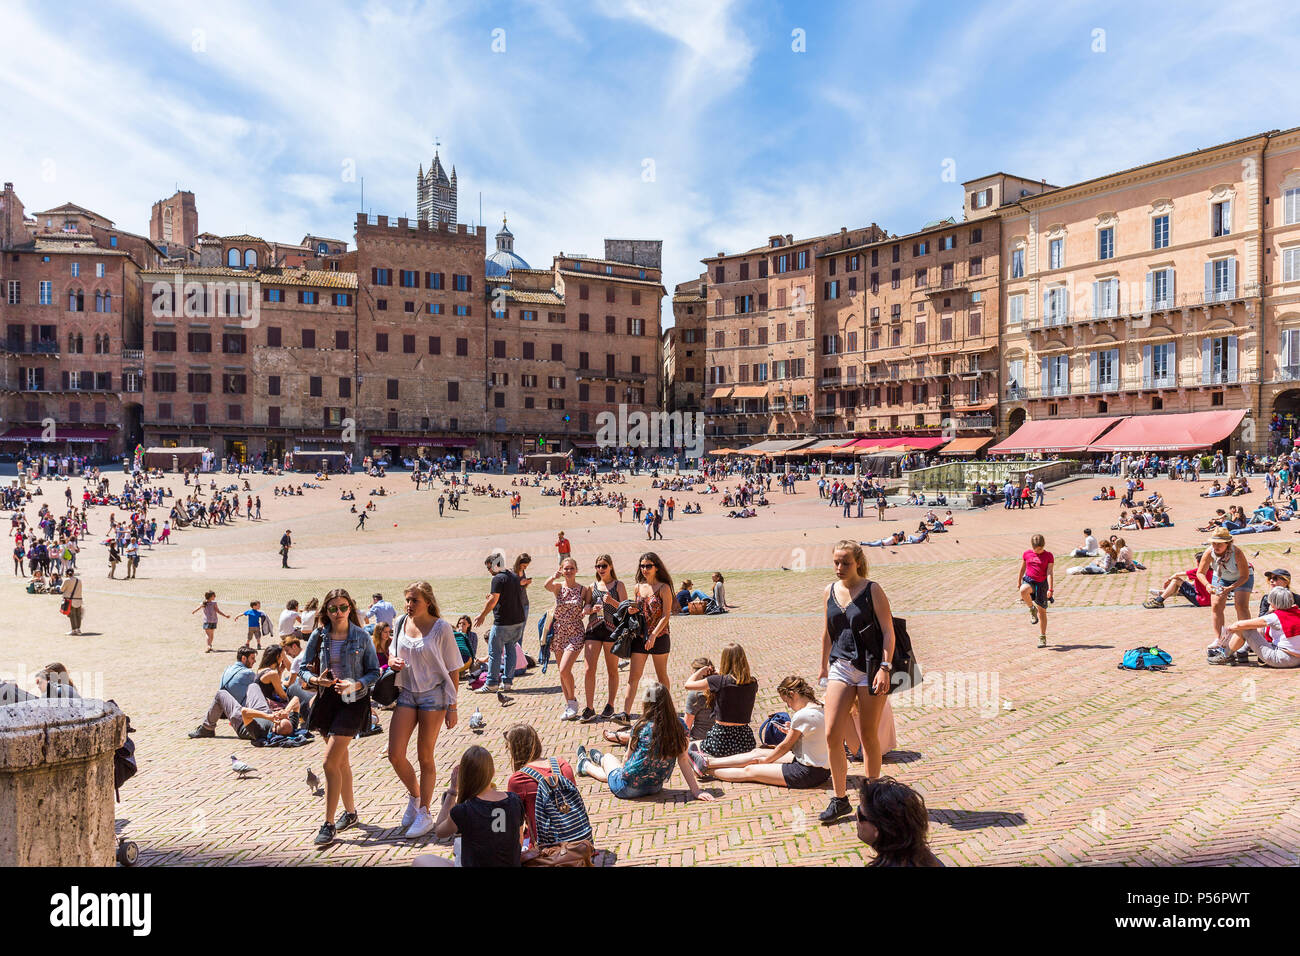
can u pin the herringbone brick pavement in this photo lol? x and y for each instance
(1024, 756)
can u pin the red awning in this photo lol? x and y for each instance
(61, 433)
(1062, 435)
(1187, 431)
(913, 442)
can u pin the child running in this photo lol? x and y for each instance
(1036, 579)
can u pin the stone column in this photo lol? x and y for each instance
(1232, 466)
(56, 782)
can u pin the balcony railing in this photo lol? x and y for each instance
(1160, 381)
(32, 348)
(1287, 373)
(1182, 300)
(975, 421)
(1016, 394)
(133, 355)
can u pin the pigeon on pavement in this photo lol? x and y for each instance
(503, 700)
(241, 768)
(476, 722)
(313, 782)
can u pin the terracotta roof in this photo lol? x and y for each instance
(73, 207)
(601, 275)
(61, 244)
(681, 297)
(535, 298)
(243, 238)
(302, 277)
(540, 272)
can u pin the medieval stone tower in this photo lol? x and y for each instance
(435, 193)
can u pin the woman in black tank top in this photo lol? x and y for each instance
(857, 651)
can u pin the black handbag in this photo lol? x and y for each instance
(385, 690)
(906, 671)
(629, 624)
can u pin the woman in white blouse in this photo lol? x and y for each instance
(427, 662)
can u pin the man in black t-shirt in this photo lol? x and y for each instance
(286, 543)
(506, 602)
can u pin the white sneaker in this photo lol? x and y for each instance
(412, 807)
(570, 712)
(422, 825)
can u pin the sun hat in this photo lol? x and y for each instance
(1221, 535)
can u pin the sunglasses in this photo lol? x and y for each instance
(601, 567)
(861, 817)
(338, 609)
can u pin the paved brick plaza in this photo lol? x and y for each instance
(1032, 757)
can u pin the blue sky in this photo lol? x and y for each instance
(692, 122)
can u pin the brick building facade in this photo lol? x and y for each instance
(685, 349)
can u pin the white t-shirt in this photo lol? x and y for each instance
(810, 749)
(288, 620)
(307, 621)
(1090, 544)
(1279, 637)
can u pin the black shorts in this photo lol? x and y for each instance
(332, 716)
(799, 776)
(661, 645)
(600, 632)
(1038, 591)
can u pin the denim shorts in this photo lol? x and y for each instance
(435, 699)
(625, 791)
(1244, 589)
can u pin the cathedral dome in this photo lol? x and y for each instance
(504, 259)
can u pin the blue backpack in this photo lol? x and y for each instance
(770, 732)
(560, 813)
(1146, 659)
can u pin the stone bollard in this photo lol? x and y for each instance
(56, 782)
(1232, 466)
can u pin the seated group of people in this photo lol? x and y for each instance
(715, 603)
(1235, 486)
(1263, 519)
(1143, 517)
(1110, 556)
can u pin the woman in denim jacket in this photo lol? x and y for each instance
(346, 665)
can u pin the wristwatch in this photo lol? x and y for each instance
(887, 665)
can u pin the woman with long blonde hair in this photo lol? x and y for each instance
(857, 661)
(732, 691)
(428, 663)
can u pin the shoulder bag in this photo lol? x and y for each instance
(906, 672)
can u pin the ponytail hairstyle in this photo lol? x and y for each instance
(859, 555)
(797, 685)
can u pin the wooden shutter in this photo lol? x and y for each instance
(1205, 361)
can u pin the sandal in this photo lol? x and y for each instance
(1153, 603)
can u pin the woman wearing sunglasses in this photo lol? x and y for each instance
(599, 638)
(654, 593)
(346, 667)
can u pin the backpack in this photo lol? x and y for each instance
(1145, 659)
(770, 733)
(559, 811)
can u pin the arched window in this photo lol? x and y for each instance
(81, 343)
(108, 302)
(105, 344)
(232, 258)
(99, 302)
(321, 249)
(250, 258)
